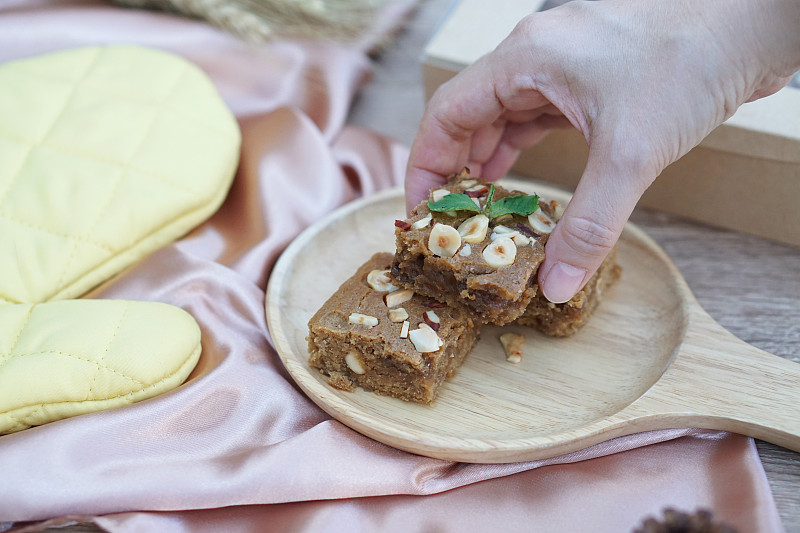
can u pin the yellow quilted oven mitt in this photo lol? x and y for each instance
(106, 154)
(50, 368)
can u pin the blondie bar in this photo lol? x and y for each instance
(562, 320)
(483, 254)
(392, 341)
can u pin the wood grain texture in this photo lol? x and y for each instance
(651, 358)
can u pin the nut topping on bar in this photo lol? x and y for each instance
(477, 191)
(432, 319)
(558, 210)
(504, 231)
(398, 297)
(541, 223)
(501, 252)
(465, 251)
(423, 222)
(398, 314)
(380, 281)
(425, 339)
(474, 228)
(404, 330)
(438, 194)
(444, 240)
(353, 361)
(358, 318)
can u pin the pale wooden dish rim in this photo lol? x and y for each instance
(649, 411)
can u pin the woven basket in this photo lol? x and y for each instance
(263, 20)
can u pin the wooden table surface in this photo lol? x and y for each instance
(749, 285)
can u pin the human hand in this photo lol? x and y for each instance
(644, 82)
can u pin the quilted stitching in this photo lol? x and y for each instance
(105, 155)
(50, 368)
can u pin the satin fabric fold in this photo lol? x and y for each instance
(239, 446)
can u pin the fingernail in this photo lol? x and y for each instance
(562, 282)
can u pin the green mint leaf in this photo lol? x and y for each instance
(521, 204)
(454, 202)
(489, 199)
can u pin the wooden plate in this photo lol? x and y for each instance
(650, 358)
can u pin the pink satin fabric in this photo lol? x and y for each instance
(239, 447)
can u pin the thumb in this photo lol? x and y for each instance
(591, 224)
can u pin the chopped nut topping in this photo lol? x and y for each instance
(398, 314)
(469, 183)
(366, 320)
(501, 252)
(512, 344)
(558, 210)
(402, 224)
(404, 330)
(423, 222)
(477, 191)
(431, 319)
(503, 230)
(474, 228)
(397, 297)
(465, 251)
(425, 339)
(520, 239)
(444, 240)
(432, 316)
(379, 280)
(353, 360)
(540, 222)
(438, 194)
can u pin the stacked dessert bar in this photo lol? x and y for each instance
(467, 256)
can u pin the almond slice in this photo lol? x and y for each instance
(354, 363)
(397, 297)
(423, 222)
(425, 339)
(380, 281)
(398, 314)
(512, 344)
(438, 194)
(404, 330)
(431, 319)
(366, 320)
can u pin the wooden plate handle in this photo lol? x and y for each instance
(717, 381)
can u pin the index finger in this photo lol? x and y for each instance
(471, 100)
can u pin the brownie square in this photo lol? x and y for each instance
(563, 320)
(463, 258)
(388, 340)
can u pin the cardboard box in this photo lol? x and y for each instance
(744, 176)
